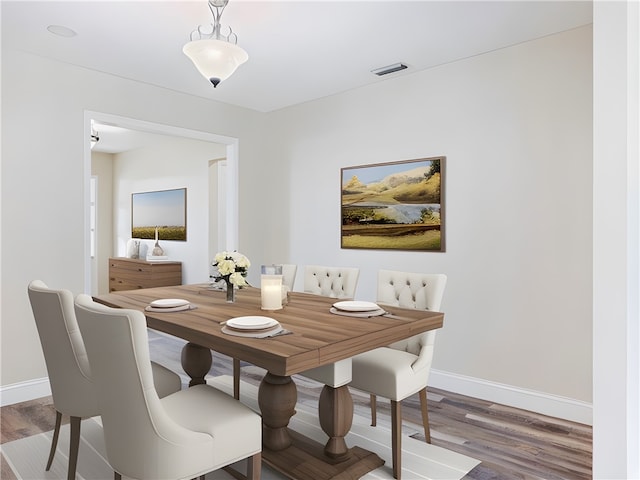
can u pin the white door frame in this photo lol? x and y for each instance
(231, 175)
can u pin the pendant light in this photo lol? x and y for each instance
(216, 56)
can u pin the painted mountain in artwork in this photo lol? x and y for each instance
(410, 186)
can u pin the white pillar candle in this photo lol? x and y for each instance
(271, 292)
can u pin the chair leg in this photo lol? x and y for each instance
(254, 466)
(74, 445)
(236, 379)
(54, 441)
(372, 400)
(425, 414)
(396, 440)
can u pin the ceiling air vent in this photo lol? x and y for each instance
(396, 67)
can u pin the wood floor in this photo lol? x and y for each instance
(511, 443)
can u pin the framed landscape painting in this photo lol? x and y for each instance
(394, 206)
(164, 209)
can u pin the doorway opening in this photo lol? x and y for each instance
(224, 192)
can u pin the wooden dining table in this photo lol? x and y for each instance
(318, 337)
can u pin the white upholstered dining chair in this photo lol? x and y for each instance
(402, 368)
(181, 436)
(72, 387)
(337, 282)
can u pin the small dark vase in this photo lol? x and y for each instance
(231, 291)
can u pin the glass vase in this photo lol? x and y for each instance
(231, 292)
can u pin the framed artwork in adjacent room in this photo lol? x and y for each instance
(394, 206)
(165, 210)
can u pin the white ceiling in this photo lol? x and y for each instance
(299, 50)
(116, 139)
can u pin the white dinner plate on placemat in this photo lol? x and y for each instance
(263, 333)
(179, 308)
(367, 314)
(251, 322)
(169, 303)
(356, 306)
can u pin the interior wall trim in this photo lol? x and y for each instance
(543, 403)
(24, 391)
(539, 402)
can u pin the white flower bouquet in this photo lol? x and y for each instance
(232, 268)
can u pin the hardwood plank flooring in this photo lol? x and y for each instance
(511, 443)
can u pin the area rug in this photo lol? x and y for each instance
(27, 457)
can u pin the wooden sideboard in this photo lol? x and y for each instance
(132, 274)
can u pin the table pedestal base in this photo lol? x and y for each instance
(335, 411)
(277, 397)
(305, 459)
(196, 362)
(287, 451)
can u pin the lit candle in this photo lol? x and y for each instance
(271, 292)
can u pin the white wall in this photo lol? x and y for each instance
(43, 183)
(169, 163)
(515, 126)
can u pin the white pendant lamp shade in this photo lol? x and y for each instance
(215, 59)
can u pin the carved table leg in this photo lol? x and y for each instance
(277, 397)
(335, 409)
(196, 362)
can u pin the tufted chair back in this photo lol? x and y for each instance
(401, 369)
(412, 290)
(336, 282)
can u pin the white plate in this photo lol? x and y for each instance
(367, 314)
(251, 322)
(253, 334)
(169, 303)
(179, 308)
(356, 306)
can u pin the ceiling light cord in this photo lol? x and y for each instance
(217, 8)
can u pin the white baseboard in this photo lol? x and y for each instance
(534, 401)
(539, 402)
(24, 391)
